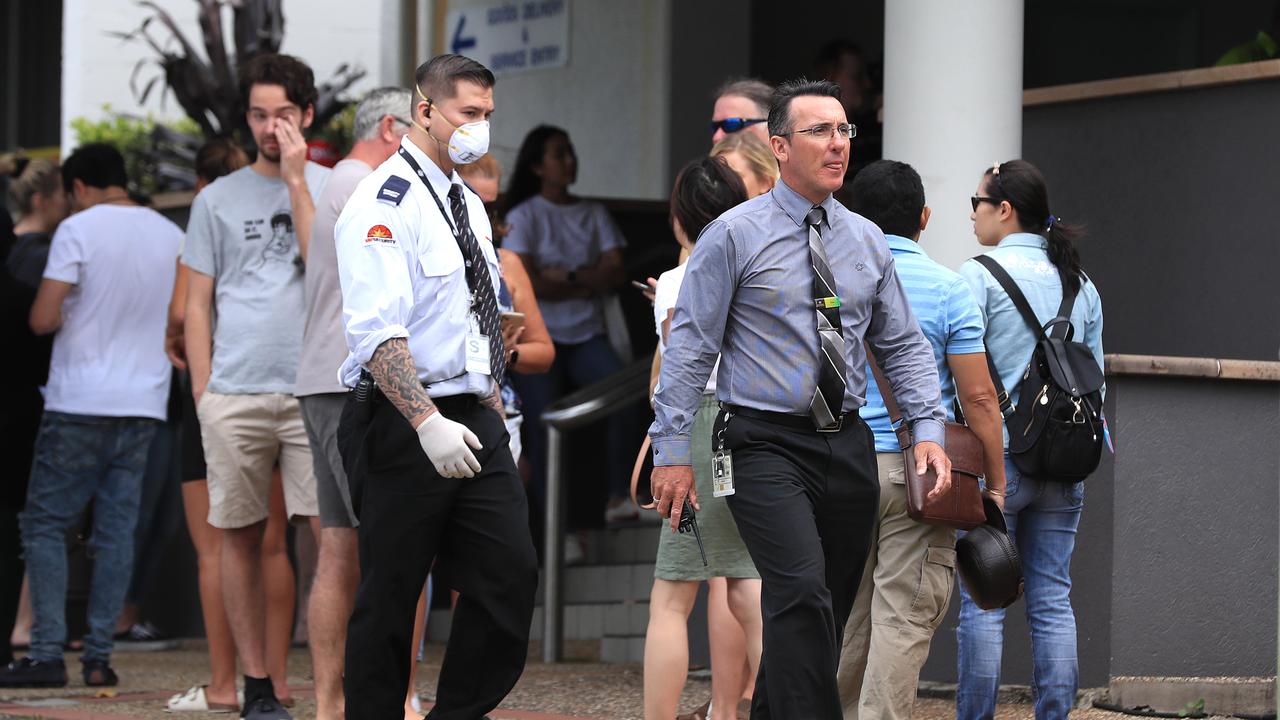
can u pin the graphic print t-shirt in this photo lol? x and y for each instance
(241, 234)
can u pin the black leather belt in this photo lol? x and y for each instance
(795, 422)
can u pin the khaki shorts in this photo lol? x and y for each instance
(244, 436)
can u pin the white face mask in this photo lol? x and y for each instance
(468, 142)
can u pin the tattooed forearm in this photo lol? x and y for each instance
(393, 369)
(494, 400)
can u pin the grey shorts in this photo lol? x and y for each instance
(320, 414)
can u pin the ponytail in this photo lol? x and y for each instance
(1062, 250)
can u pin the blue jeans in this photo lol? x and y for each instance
(1042, 517)
(575, 366)
(78, 459)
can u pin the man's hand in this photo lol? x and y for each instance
(931, 453)
(446, 444)
(175, 346)
(293, 152)
(671, 484)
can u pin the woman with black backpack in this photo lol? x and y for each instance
(1053, 437)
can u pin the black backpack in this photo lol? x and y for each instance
(1055, 432)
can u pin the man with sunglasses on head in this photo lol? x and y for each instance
(378, 127)
(419, 291)
(794, 458)
(741, 105)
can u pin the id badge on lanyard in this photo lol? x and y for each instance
(477, 346)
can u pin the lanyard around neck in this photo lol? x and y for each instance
(417, 169)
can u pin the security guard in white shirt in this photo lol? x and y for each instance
(419, 282)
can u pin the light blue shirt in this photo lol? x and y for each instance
(402, 274)
(1009, 341)
(748, 296)
(948, 316)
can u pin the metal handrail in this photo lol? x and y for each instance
(591, 403)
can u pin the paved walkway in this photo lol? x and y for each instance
(568, 691)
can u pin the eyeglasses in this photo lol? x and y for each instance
(402, 121)
(826, 131)
(733, 125)
(976, 200)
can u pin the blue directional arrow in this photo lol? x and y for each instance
(460, 43)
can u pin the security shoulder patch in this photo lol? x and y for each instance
(393, 190)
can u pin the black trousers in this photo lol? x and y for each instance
(479, 530)
(805, 505)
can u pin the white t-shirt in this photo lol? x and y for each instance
(108, 356)
(664, 300)
(569, 236)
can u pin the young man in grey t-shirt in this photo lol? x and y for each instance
(246, 245)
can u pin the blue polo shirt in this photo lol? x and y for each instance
(949, 317)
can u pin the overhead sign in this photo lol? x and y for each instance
(511, 36)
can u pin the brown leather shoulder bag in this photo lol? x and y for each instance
(960, 506)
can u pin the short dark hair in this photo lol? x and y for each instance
(704, 190)
(780, 106)
(287, 71)
(97, 165)
(218, 157)
(890, 194)
(438, 77)
(282, 218)
(757, 91)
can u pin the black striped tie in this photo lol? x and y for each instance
(828, 397)
(483, 301)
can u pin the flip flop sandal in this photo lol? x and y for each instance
(195, 700)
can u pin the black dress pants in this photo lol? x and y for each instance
(479, 529)
(805, 505)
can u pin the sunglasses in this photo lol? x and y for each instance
(976, 200)
(733, 125)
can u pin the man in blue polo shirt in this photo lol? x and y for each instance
(906, 584)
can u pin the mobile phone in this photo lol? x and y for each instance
(512, 318)
(642, 287)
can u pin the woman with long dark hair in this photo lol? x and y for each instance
(572, 251)
(1011, 214)
(704, 189)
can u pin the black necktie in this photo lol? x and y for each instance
(484, 303)
(828, 397)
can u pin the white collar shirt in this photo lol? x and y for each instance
(403, 275)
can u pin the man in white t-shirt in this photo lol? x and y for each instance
(247, 271)
(105, 293)
(379, 125)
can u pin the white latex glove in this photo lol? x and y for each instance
(445, 443)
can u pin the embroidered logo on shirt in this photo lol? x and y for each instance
(379, 234)
(393, 190)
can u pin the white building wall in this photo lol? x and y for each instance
(612, 98)
(96, 66)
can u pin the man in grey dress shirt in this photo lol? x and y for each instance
(802, 461)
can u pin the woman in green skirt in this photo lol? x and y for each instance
(704, 189)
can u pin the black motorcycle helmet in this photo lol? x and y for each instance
(988, 562)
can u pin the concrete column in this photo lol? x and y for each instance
(952, 104)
